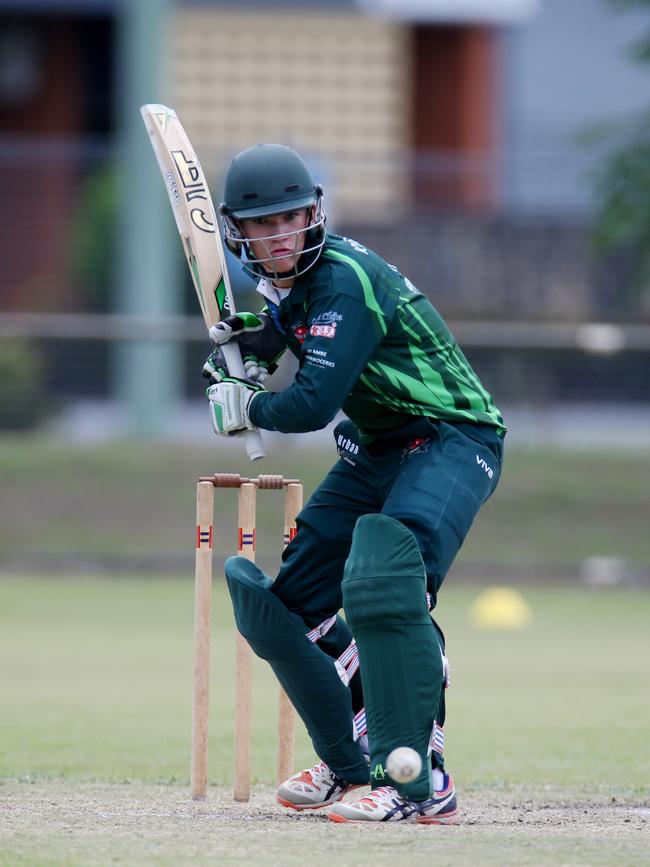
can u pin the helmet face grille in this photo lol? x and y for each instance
(314, 241)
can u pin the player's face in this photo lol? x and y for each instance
(278, 240)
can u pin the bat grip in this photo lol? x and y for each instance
(252, 438)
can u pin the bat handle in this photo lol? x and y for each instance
(254, 445)
(253, 438)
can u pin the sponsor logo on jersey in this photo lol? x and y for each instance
(324, 325)
(346, 448)
(347, 445)
(485, 466)
(356, 245)
(300, 332)
(415, 446)
(318, 360)
(322, 330)
(318, 357)
(328, 316)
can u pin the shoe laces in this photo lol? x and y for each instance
(321, 769)
(319, 772)
(376, 796)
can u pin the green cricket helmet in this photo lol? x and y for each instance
(263, 181)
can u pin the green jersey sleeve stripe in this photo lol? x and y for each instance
(469, 385)
(417, 409)
(460, 383)
(445, 349)
(416, 390)
(412, 333)
(454, 386)
(439, 345)
(482, 400)
(396, 403)
(366, 285)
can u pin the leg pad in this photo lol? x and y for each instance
(308, 676)
(401, 663)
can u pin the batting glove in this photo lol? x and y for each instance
(216, 369)
(235, 326)
(230, 402)
(257, 336)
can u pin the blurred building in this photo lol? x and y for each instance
(447, 134)
(396, 114)
(445, 106)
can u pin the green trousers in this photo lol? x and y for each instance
(431, 476)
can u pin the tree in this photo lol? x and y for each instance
(622, 182)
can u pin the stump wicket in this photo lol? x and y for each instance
(293, 495)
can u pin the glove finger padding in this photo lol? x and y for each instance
(267, 344)
(256, 369)
(215, 367)
(260, 343)
(401, 663)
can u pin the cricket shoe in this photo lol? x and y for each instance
(314, 788)
(385, 804)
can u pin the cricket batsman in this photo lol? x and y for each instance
(420, 450)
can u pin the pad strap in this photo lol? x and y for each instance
(322, 629)
(437, 741)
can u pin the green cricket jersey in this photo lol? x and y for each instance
(369, 343)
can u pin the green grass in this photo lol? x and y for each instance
(559, 702)
(546, 735)
(552, 510)
(101, 681)
(547, 726)
(97, 677)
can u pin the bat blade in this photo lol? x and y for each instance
(191, 204)
(197, 225)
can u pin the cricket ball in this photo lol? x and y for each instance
(403, 764)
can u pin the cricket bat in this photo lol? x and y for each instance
(197, 225)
